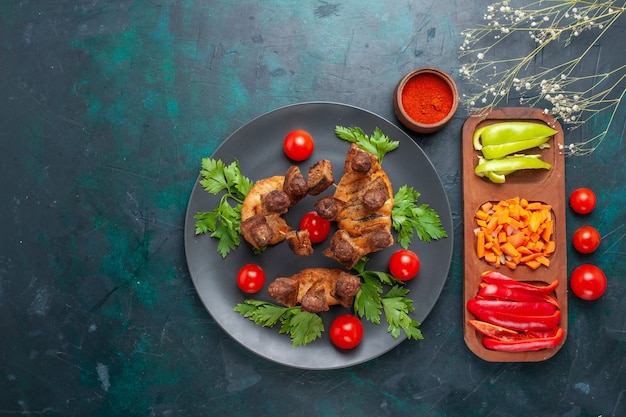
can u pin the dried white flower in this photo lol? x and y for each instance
(548, 24)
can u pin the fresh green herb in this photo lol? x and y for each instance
(378, 143)
(371, 303)
(224, 222)
(397, 308)
(408, 218)
(303, 327)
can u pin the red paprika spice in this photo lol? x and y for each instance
(426, 98)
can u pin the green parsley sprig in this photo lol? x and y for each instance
(378, 143)
(224, 222)
(371, 303)
(407, 218)
(303, 327)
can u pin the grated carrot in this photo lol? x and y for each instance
(515, 232)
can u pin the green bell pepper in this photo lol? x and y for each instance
(497, 169)
(506, 132)
(508, 148)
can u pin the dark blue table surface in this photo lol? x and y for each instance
(106, 110)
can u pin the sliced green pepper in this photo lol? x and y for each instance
(496, 169)
(505, 132)
(496, 177)
(476, 138)
(508, 148)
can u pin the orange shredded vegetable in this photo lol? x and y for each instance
(515, 232)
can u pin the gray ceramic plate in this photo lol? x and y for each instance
(258, 147)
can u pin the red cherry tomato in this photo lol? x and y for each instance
(404, 264)
(588, 282)
(250, 278)
(346, 331)
(586, 239)
(582, 200)
(318, 227)
(298, 145)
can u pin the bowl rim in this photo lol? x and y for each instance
(412, 123)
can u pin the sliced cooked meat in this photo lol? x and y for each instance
(285, 291)
(356, 220)
(328, 207)
(253, 203)
(375, 195)
(361, 162)
(300, 242)
(347, 249)
(314, 301)
(295, 184)
(364, 199)
(379, 239)
(343, 250)
(320, 177)
(279, 227)
(346, 288)
(276, 201)
(257, 231)
(261, 211)
(316, 289)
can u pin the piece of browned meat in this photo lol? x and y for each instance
(257, 231)
(261, 221)
(295, 185)
(276, 201)
(348, 249)
(361, 205)
(316, 289)
(320, 177)
(299, 242)
(328, 207)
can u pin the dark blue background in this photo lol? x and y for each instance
(106, 109)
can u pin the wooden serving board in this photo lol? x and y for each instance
(546, 186)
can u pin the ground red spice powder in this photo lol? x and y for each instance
(427, 98)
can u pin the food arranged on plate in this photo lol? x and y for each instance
(515, 278)
(366, 213)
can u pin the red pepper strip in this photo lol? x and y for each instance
(541, 333)
(494, 277)
(515, 321)
(512, 294)
(524, 308)
(525, 344)
(496, 332)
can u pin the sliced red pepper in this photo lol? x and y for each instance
(503, 292)
(528, 308)
(515, 321)
(496, 332)
(542, 333)
(494, 277)
(524, 345)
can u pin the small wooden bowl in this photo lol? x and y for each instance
(413, 123)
